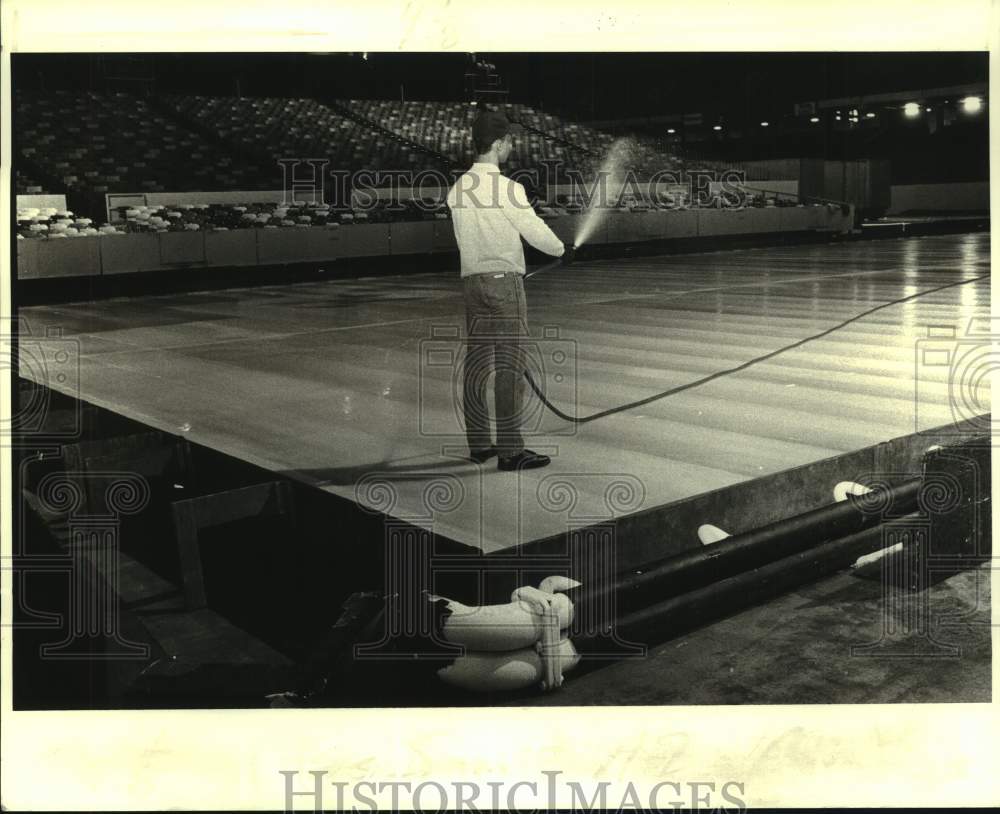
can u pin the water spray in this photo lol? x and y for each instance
(597, 208)
(613, 168)
(619, 157)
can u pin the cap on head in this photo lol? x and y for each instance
(489, 126)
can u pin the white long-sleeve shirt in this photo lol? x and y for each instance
(491, 214)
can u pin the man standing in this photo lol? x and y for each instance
(491, 214)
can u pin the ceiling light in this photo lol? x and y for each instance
(972, 104)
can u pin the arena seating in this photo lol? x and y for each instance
(410, 135)
(123, 143)
(287, 128)
(118, 142)
(445, 128)
(38, 223)
(304, 128)
(45, 223)
(25, 184)
(579, 136)
(50, 222)
(439, 126)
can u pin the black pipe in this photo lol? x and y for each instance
(666, 619)
(707, 564)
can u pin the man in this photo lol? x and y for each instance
(491, 214)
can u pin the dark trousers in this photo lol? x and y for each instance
(496, 322)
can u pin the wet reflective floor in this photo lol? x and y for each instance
(352, 385)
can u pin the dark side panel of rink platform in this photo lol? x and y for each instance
(662, 531)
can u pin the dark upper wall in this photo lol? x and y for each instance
(586, 85)
(425, 76)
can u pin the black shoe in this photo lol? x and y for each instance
(482, 455)
(525, 459)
